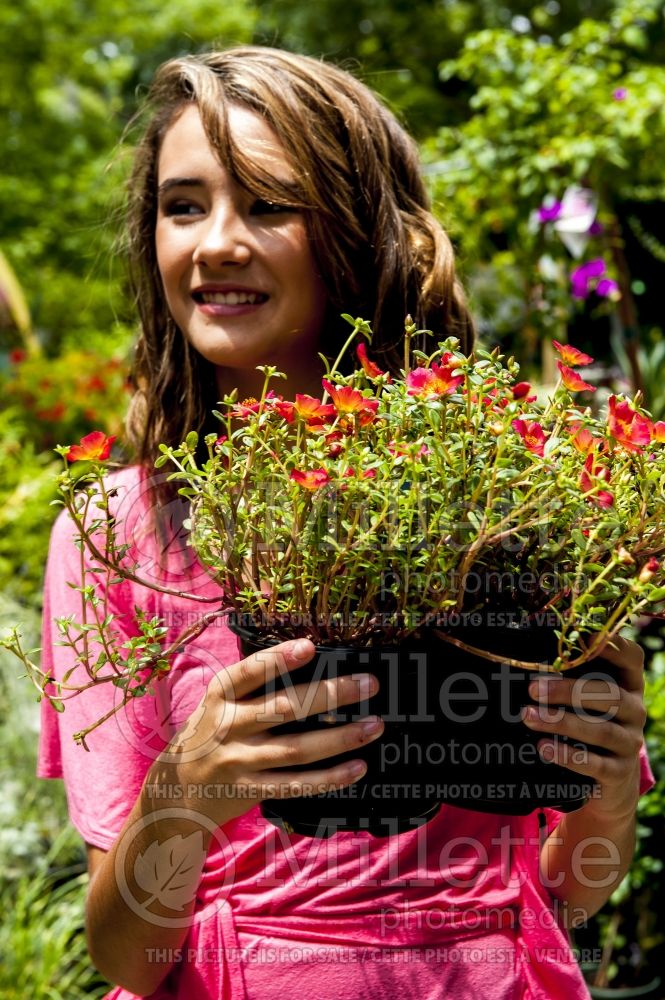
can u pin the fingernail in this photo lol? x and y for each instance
(301, 648)
(357, 768)
(367, 685)
(546, 751)
(541, 688)
(529, 714)
(370, 725)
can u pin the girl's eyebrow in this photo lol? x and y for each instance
(172, 182)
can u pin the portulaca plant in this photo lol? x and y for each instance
(392, 504)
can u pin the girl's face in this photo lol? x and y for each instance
(238, 273)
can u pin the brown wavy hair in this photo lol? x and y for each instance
(380, 251)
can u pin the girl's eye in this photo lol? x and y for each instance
(181, 208)
(263, 207)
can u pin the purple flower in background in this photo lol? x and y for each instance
(607, 288)
(583, 275)
(549, 212)
(596, 228)
(620, 94)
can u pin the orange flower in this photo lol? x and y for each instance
(659, 432)
(439, 380)
(312, 479)
(94, 447)
(571, 355)
(628, 427)
(369, 367)
(348, 400)
(532, 434)
(583, 439)
(572, 380)
(308, 408)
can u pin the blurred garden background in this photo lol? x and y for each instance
(542, 131)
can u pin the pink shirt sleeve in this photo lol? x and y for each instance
(101, 784)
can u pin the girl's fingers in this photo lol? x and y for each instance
(307, 748)
(629, 657)
(623, 741)
(303, 700)
(273, 785)
(583, 695)
(250, 674)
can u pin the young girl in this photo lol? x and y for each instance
(271, 193)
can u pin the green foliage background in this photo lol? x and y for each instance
(512, 101)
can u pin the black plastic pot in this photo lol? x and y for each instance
(453, 733)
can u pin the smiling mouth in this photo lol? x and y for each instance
(230, 298)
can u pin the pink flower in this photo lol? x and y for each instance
(572, 380)
(532, 434)
(439, 380)
(628, 427)
(252, 405)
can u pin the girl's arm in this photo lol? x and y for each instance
(591, 849)
(225, 742)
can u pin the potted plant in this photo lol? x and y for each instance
(442, 529)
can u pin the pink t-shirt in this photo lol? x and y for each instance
(455, 908)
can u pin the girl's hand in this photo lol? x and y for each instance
(614, 739)
(226, 745)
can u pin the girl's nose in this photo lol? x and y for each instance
(224, 239)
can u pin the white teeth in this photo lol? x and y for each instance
(231, 298)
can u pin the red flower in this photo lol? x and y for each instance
(626, 426)
(521, 390)
(592, 476)
(348, 400)
(572, 380)
(571, 355)
(17, 356)
(94, 447)
(650, 567)
(367, 474)
(532, 434)
(439, 380)
(369, 367)
(312, 479)
(95, 384)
